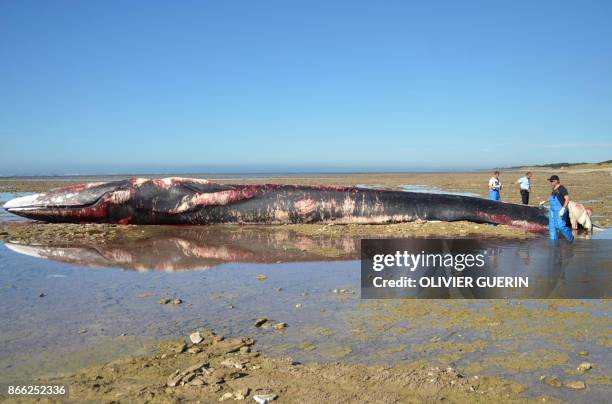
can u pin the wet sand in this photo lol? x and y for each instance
(219, 369)
(432, 374)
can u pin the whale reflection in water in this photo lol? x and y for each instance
(580, 270)
(189, 249)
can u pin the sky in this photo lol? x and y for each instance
(269, 86)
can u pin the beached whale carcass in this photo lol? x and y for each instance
(196, 201)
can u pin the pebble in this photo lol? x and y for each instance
(83, 331)
(180, 348)
(584, 366)
(261, 277)
(298, 306)
(196, 337)
(264, 398)
(344, 291)
(280, 326)
(42, 295)
(226, 396)
(241, 394)
(583, 353)
(164, 301)
(551, 381)
(194, 350)
(177, 301)
(245, 349)
(232, 363)
(260, 321)
(575, 385)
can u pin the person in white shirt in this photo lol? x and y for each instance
(525, 186)
(495, 187)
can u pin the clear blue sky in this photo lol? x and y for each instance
(112, 86)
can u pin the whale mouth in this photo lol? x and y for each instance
(23, 203)
(63, 198)
(47, 201)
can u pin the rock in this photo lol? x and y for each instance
(226, 396)
(298, 306)
(260, 321)
(575, 385)
(196, 382)
(42, 295)
(196, 337)
(245, 349)
(584, 366)
(232, 363)
(164, 301)
(193, 368)
(241, 394)
(213, 388)
(583, 353)
(214, 378)
(234, 344)
(264, 398)
(261, 277)
(551, 381)
(186, 375)
(174, 380)
(177, 301)
(83, 331)
(344, 291)
(280, 326)
(194, 350)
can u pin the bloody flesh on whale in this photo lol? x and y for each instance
(197, 201)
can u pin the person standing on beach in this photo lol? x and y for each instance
(495, 187)
(525, 186)
(557, 213)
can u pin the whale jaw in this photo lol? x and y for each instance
(22, 203)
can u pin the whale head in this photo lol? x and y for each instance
(71, 202)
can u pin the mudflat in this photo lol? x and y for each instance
(231, 368)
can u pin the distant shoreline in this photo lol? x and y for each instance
(233, 175)
(255, 174)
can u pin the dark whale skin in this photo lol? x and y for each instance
(195, 201)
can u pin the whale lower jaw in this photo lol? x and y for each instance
(22, 203)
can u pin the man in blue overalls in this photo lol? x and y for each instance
(495, 187)
(557, 213)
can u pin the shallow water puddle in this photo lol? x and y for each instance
(85, 304)
(433, 190)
